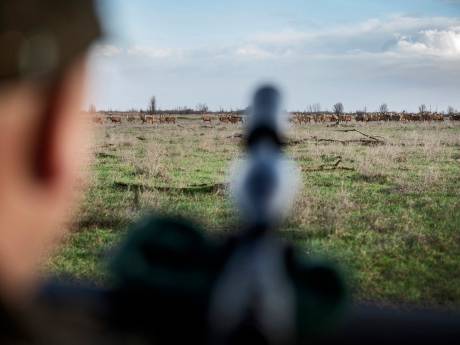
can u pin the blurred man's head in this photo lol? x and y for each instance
(42, 71)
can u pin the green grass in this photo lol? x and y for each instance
(392, 222)
(84, 254)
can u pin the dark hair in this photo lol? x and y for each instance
(40, 37)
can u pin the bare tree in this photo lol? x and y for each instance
(153, 105)
(338, 108)
(383, 109)
(202, 107)
(422, 109)
(450, 110)
(316, 108)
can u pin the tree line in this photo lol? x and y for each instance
(202, 108)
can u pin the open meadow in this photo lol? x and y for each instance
(381, 199)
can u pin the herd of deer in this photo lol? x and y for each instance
(158, 119)
(234, 119)
(151, 119)
(145, 119)
(300, 118)
(297, 118)
(304, 118)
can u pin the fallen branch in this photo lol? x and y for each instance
(202, 188)
(368, 142)
(317, 140)
(343, 142)
(336, 166)
(366, 135)
(236, 135)
(331, 141)
(297, 142)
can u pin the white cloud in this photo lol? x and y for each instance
(372, 26)
(437, 43)
(394, 36)
(154, 52)
(435, 36)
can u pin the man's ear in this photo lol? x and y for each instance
(58, 123)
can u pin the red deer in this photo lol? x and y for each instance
(345, 118)
(235, 119)
(300, 118)
(224, 118)
(115, 119)
(333, 118)
(206, 118)
(171, 119)
(438, 117)
(167, 119)
(148, 119)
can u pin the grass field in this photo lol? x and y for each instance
(386, 209)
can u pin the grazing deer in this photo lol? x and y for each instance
(395, 117)
(300, 118)
(148, 119)
(438, 117)
(224, 118)
(345, 118)
(206, 118)
(297, 119)
(115, 119)
(234, 119)
(167, 119)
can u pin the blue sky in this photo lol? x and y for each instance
(359, 52)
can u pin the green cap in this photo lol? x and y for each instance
(40, 37)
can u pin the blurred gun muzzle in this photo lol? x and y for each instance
(265, 119)
(265, 182)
